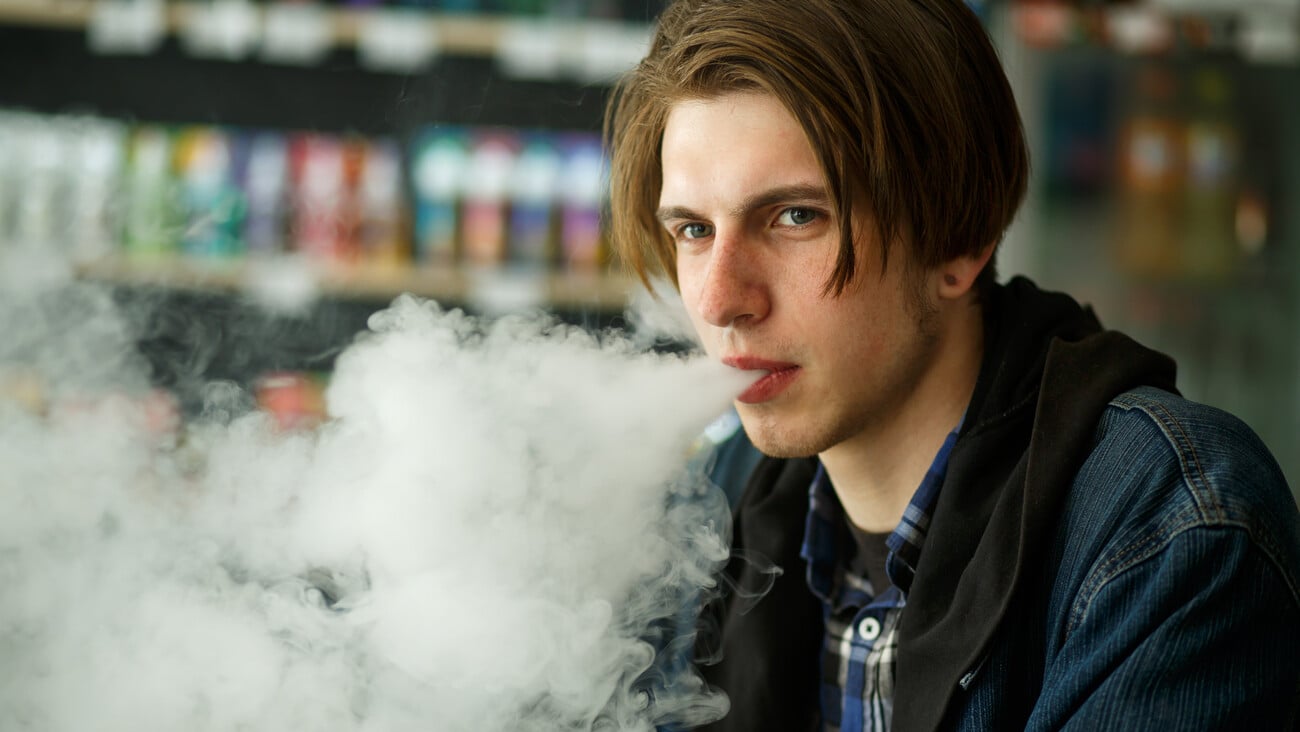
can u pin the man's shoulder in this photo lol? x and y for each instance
(1213, 458)
(1162, 465)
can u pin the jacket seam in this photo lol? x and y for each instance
(1093, 586)
(1127, 558)
(1189, 460)
(1194, 517)
(1198, 482)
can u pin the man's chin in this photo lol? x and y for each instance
(774, 439)
(784, 451)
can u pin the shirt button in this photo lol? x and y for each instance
(869, 628)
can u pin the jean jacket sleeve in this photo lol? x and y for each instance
(1199, 633)
(1182, 609)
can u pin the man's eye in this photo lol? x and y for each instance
(797, 216)
(696, 231)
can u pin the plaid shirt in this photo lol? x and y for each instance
(857, 689)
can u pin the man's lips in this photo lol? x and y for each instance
(780, 374)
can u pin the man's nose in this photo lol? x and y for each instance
(733, 291)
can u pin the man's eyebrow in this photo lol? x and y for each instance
(807, 193)
(671, 213)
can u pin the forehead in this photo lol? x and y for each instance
(752, 110)
(734, 142)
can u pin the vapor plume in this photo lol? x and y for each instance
(493, 530)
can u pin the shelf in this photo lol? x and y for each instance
(496, 290)
(54, 14)
(451, 34)
(471, 35)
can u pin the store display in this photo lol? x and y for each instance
(484, 197)
(190, 189)
(210, 207)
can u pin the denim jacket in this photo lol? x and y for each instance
(1169, 595)
(1104, 555)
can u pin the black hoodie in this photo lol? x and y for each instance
(1047, 374)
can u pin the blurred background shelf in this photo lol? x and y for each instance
(60, 14)
(490, 289)
(531, 45)
(472, 35)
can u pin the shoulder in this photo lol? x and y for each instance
(1162, 465)
(1209, 457)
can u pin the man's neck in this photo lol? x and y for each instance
(876, 472)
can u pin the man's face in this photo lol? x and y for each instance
(745, 200)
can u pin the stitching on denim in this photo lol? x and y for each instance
(1152, 543)
(1147, 546)
(1264, 540)
(1093, 586)
(1189, 461)
(1197, 481)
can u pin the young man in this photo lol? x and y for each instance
(984, 510)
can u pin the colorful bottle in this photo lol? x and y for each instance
(43, 167)
(99, 151)
(212, 209)
(438, 171)
(582, 193)
(487, 187)
(263, 175)
(381, 235)
(534, 190)
(317, 180)
(150, 224)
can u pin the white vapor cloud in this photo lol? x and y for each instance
(489, 533)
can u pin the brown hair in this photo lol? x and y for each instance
(903, 101)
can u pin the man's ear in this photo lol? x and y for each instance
(957, 276)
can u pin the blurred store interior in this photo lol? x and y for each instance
(278, 170)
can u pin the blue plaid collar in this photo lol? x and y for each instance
(826, 576)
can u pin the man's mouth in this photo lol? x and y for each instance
(778, 377)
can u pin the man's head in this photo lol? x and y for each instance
(825, 181)
(903, 101)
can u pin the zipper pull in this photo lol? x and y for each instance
(969, 678)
